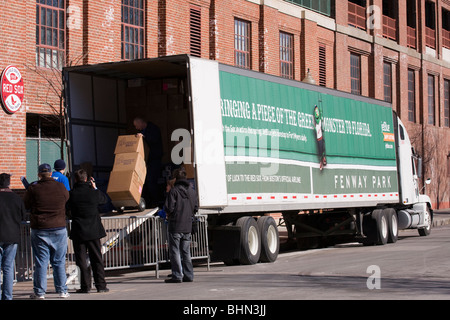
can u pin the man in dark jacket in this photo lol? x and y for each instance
(152, 137)
(47, 200)
(87, 230)
(181, 205)
(11, 214)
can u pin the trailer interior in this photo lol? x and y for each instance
(103, 100)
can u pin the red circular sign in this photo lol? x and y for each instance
(11, 89)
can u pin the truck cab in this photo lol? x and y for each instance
(407, 173)
(415, 208)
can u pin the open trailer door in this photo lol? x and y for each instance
(207, 133)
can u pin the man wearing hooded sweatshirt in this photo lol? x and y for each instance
(181, 205)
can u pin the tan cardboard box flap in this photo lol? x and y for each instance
(131, 161)
(130, 143)
(125, 185)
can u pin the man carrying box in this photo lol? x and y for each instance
(152, 136)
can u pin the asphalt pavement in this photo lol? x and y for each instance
(142, 284)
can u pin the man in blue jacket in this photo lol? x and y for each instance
(59, 167)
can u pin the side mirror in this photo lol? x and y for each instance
(428, 181)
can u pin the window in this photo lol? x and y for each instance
(387, 81)
(50, 33)
(195, 31)
(411, 95)
(133, 28)
(446, 103)
(355, 73)
(411, 17)
(430, 24)
(431, 99)
(357, 14)
(286, 55)
(322, 6)
(389, 19)
(402, 132)
(43, 142)
(445, 28)
(322, 65)
(242, 50)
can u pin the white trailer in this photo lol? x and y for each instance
(338, 167)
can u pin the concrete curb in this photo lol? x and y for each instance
(441, 218)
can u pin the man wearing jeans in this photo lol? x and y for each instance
(181, 205)
(11, 214)
(47, 201)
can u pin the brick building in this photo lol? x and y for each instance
(398, 51)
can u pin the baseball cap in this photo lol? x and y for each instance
(45, 167)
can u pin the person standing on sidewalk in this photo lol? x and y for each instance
(47, 201)
(87, 230)
(60, 166)
(181, 206)
(12, 213)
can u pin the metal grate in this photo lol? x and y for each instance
(322, 65)
(195, 32)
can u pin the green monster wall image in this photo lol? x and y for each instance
(280, 137)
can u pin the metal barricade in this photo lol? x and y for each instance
(199, 241)
(130, 242)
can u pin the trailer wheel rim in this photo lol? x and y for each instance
(272, 239)
(384, 227)
(253, 244)
(394, 225)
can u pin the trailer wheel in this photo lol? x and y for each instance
(392, 219)
(250, 240)
(270, 241)
(142, 205)
(428, 220)
(382, 226)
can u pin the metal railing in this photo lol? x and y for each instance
(411, 37)
(389, 28)
(130, 242)
(446, 38)
(430, 37)
(356, 16)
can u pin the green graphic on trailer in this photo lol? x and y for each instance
(264, 120)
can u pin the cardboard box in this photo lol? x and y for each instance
(125, 188)
(131, 161)
(130, 143)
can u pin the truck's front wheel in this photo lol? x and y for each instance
(427, 220)
(250, 240)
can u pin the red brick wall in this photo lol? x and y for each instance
(93, 36)
(14, 31)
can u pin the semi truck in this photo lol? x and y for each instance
(334, 166)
